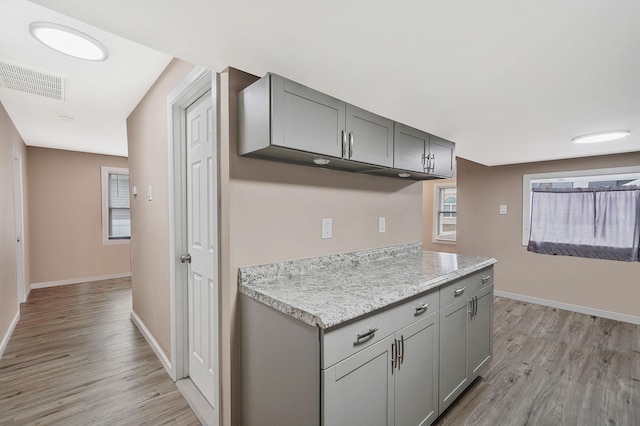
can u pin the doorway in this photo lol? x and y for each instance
(194, 243)
(18, 195)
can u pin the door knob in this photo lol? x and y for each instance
(185, 258)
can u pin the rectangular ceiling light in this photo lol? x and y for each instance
(31, 80)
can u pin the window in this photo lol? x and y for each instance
(444, 223)
(590, 214)
(116, 217)
(619, 176)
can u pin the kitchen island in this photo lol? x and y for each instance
(387, 336)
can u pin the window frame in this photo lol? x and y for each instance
(106, 171)
(528, 178)
(436, 236)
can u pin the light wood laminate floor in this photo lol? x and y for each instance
(75, 358)
(553, 367)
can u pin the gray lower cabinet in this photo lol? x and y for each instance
(418, 151)
(465, 336)
(392, 382)
(359, 390)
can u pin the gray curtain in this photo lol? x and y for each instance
(601, 223)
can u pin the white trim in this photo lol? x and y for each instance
(18, 208)
(526, 188)
(77, 281)
(7, 336)
(569, 307)
(192, 87)
(135, 319)
(435, 237)
(105, 171)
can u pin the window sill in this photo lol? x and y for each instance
(444, 241)
(116, 241)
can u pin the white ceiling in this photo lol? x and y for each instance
(99, 95)
(507, 81)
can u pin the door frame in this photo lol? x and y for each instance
(18, 208)
(193, 86)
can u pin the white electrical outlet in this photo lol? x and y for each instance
(149, 193)
(327, 227)
(503, 209)
(382, 225)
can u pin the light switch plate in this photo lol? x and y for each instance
(327, 227)
(503, 209)
(382, 225)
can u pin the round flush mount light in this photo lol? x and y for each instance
(321, 161)
(68, 41)
(404, 175)
(601, 136)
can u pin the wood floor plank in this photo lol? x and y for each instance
(553, 367)
(75, 358)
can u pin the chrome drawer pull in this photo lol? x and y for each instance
(457, 292)
(361, 338)
(421, 309)
(485, 278)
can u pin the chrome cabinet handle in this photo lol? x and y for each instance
(421, 309)
(350, 144)
(401, 352)
(394, 355)
(344, 142)
(185, 258)
(457, 292)
(485, 278)
(433, 163)
(361, 338)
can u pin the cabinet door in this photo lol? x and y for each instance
(480, 332)
(408, 148)
(453, 352)
(359, 390)
(369, 137)
(442, 156)
(416, 378)
(305, 119)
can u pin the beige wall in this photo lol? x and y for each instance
(148, 166)
(599, 284)
(275, 211)
(428, 189)
(65, 199)
(10, 140)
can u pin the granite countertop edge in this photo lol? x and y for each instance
(249, 276)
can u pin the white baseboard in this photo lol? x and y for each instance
(152, 342)
(569, 307)
(76, 281)
(7, 336)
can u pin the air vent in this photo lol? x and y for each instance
(31, 80)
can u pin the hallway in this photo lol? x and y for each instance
(76, 358)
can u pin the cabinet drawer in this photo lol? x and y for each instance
(343, 341)
(463, 287)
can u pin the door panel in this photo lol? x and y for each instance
(201, 231)
(305, 119)
(359, 390)
(453, 352)
(416, 379)
(409, 148)
(480, 330)
(370, 137)
(442, 153)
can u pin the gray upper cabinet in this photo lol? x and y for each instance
(369, 137)
(305, 119)
(279, 119)
(418, 151)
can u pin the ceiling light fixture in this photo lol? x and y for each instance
(69, 41)
(601, 136)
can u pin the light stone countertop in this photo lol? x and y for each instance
(329, 290)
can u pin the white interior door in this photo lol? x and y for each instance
(17, 202)
(202, 240)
